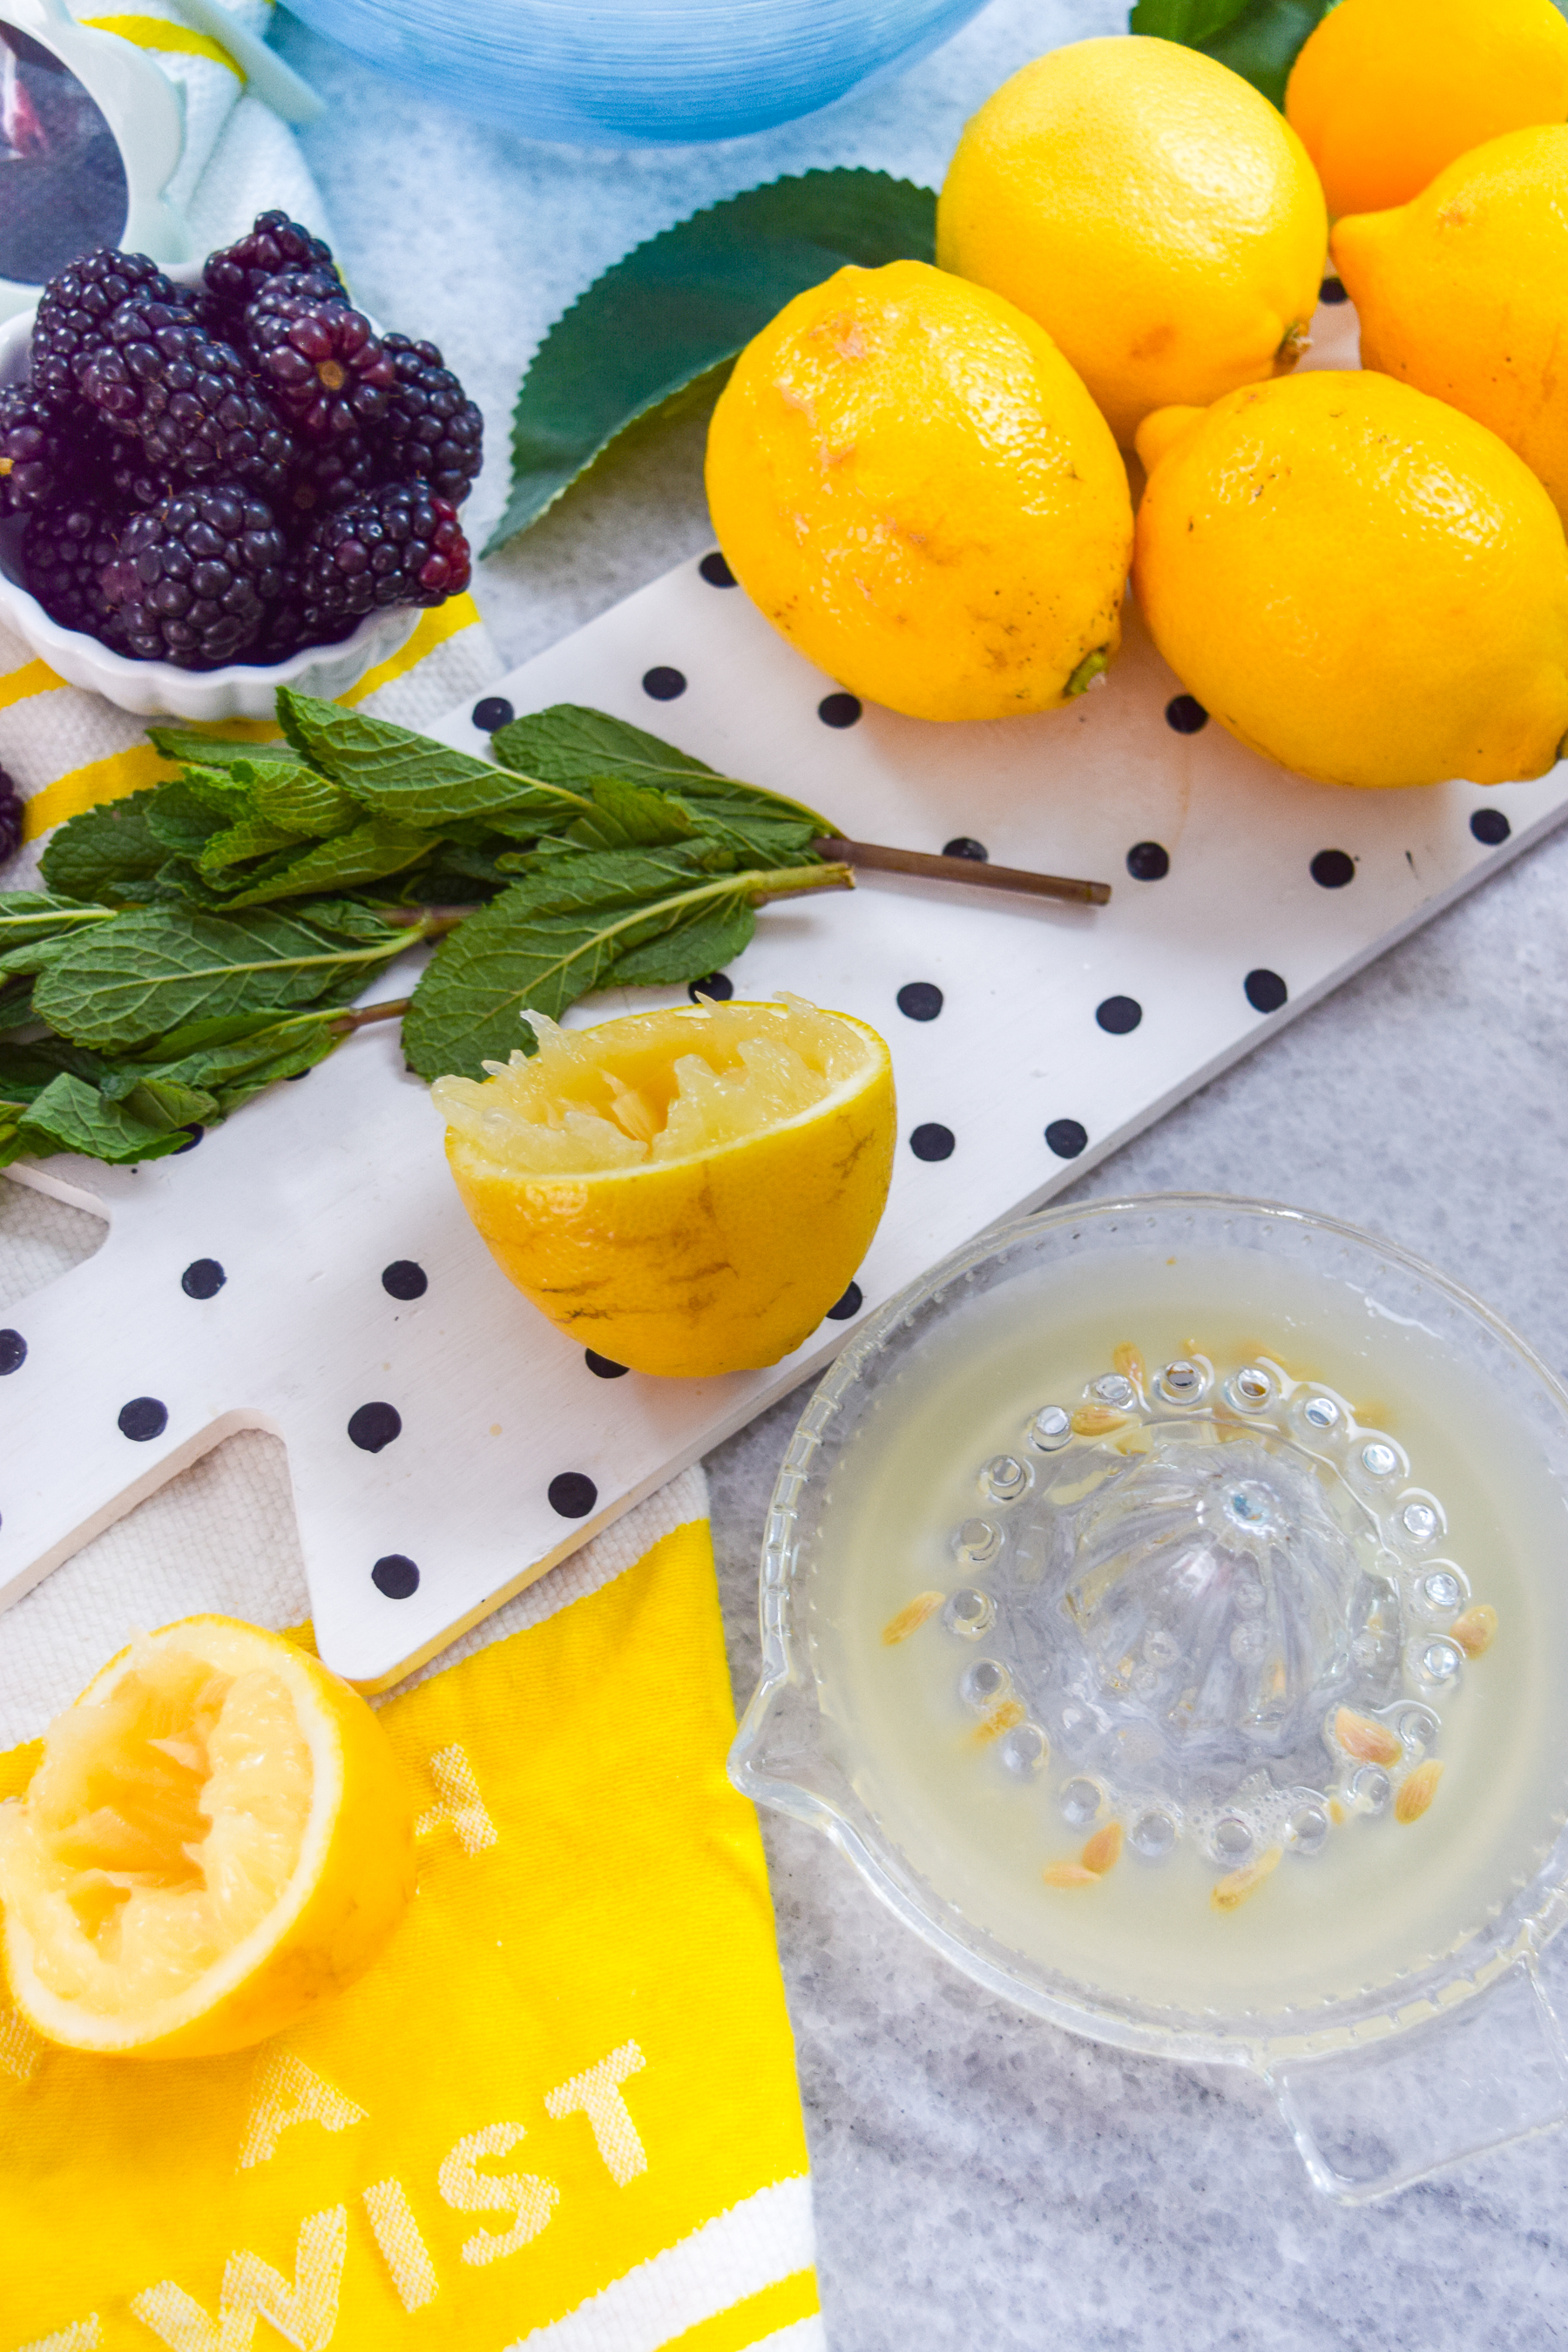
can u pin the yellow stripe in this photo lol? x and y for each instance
(748, 2323)
(33, 678)
(162, 33)
(104, 780)
(436, 626)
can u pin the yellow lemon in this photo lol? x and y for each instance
(1150, 210)
(1385, 92)
(908, 478)
(686, 1192)
(1358, 582)
(217, 1838)
(1464, 292)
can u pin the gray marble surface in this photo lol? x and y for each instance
(983, 2180)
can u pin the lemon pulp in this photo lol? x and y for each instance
(160, 1830)
(567, 1110)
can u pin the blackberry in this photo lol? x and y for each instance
(75, 306)
(432, 431)
(275, 247)
(158, 374)
(322, 363)
(41, 456)
(396, 545)
(329, 473)
(65, 550)
(193, 579)
(10, 820)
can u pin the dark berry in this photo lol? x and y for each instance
(396, 545)
(321, 364)
(76, 306)
(42, 457)
(275, 247)
(65, 551)
(10, 818)
(432, 431)
(328, 473)
(187, 398)
(194, 578)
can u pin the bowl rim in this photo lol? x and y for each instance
(784, 1713)
(47, 636)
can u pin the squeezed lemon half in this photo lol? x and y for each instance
(685, 1192)
(217, 1838)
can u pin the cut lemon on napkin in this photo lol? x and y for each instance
(910, 481)
(1357, 581)
(685, 1192)
(217, 1838)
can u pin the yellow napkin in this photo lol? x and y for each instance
(559, 2111)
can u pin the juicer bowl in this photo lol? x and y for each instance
(1243, 1638)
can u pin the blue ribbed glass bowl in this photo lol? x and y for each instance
(637, 72)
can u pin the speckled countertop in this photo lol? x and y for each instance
(983, 2180)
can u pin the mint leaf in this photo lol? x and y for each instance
(181, 744)
(406, 776)
(574, 747)
(181, 820)
(686, 302)
(250, 837)
(93, 856)
(301, 798)
(1190, 22)
(629, 816)
(152, 971)
(711, 937)
(367, 854)
(70, 1115)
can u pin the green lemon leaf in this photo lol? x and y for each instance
(686, 302)
(1190, 22)
(1262, 42)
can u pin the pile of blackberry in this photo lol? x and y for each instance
(232, 471)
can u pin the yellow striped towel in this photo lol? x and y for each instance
(559, 2114)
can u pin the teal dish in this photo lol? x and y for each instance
(639, 72)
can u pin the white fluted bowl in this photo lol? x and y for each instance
(154, 689)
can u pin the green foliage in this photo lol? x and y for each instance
(1259, 39)
(684, 304)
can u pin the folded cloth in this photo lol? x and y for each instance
(559, 2112)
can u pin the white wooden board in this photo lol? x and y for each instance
(307, 1195)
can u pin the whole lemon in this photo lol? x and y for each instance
(1150, 210)
(1358, 582)
(1386, 93)
(1464, 292)
(909, 479)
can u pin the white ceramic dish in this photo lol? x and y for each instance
(157, 690)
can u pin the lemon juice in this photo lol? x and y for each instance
(1194, 1627)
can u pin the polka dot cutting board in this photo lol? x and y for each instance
(309, 1269)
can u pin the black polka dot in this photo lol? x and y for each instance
(1332, 868)
(375, 1425)
(848, 1305)
(716, 572)
(1332, 291)
(663, 684)
(920, 999)
(1148, 861)
(1119, 1015)
(839, 710)
(572, 1495)
(494, 712)
(395, 1575)
(403, 1278)
(293, 1079)
(1066, 1137)
(13, 1351)
(603, 1367)
(963, 845)
(1491, 826)
(1265, 991)
(203, 1279)
(718, 988)
(193, 1137)
(932, 1141)
(142, 1418)
(1186, 714)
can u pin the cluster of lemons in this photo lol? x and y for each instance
(921, 475)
